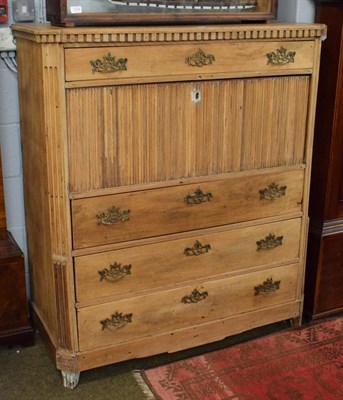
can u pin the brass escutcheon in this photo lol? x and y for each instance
(200, 59)
(281, 57)
(273, 192)
(108, 64)
(113, 216)
(197, 249)
(115, 272)
(270, 242)
(117, 321)
(198, 197)
(267, 286)
(194, 297)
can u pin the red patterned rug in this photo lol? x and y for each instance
(296, 364)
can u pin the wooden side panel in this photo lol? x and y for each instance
(148, 133)
(46, 194)
(35, 182)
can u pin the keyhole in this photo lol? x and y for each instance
(196, 96)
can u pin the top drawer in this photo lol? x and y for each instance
(194, 60)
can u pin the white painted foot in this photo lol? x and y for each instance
(70, 379)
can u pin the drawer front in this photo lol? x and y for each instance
(157, 265)
(197, 60)
(135, 215)
(124, 320)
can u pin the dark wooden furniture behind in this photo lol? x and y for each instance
(324, 277)
(14, 322)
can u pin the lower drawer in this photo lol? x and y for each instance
(169, 310)
(156, 265)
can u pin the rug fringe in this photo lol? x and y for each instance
(143, 385)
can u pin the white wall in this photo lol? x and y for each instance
(10, 144)
(296, 10)
(289, 10)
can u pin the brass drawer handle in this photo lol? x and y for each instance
(198, 197)
(280, 57)
(113, 216)
(272, 192)
(117, 321)
(200, 59)
(269, 242)
(197, 249)
(194, 297)
(268, 286)
(115, 272)
(108, 64)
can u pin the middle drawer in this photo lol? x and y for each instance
(158, 265)
(149, 213)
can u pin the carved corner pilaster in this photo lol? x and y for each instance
(62, 302)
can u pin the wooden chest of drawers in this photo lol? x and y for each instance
(166, 182)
